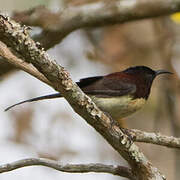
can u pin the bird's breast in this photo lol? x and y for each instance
(119, 107)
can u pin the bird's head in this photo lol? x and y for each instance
(145, 72)
(143, 77)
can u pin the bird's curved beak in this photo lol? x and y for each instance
(158, 72)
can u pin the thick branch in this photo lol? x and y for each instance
(137, 135)
(58, 25)
(70, 168)
(17, 37)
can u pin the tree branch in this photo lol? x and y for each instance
(154, 138)
(58, 25)
(70, 168)
(19, 63)
(137, 135)
(17, 37)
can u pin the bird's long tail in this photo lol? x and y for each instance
(51, 96)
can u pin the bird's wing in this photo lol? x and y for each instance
(107, 86)
(119, 87)
(88, 81)
(98, 85)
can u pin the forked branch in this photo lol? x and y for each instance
(17, 37)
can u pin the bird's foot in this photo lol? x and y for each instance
(128, 133)
(124, 130)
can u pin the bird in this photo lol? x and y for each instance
(118, 94)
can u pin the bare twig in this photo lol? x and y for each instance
(70, 168)
(154, 138)
(17, 37)
(19, 63)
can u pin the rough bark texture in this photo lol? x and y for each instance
(56, 26)
(136, 135)
(17, 37)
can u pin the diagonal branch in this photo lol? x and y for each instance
(19, 63)
(17, 37)
(137, 135)
(69, 168)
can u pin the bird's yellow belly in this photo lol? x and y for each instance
(119, 107)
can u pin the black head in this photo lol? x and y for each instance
(143, 77)
(146, 72)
